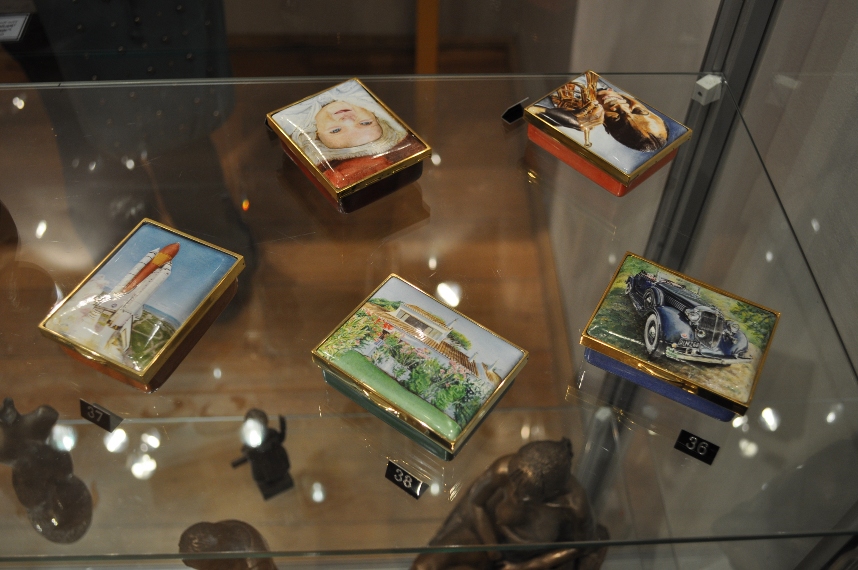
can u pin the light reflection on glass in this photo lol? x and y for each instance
(450, 293)
(436, 159)
(769, 256)
(318, 492)
(151, 438)
(116, 441)
(63, 437)
(92, 166)
(217, 373)
(129, 164)
(748, 448)
(252, 432)
(434, 489)
(612, 259)
(143, 467)
(739, 421)
(770, 419)
(41, 228)
(525, 431)
(814, 223)
(19, 102)
(834, 413)
(433, 263)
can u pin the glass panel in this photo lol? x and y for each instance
(528, 243)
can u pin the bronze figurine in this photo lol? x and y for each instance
(529, 497)
(58, 504)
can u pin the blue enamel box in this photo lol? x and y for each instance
(680, 338)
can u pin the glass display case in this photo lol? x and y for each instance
(497, 228)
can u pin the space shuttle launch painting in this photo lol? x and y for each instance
(134, 303)
(124, 303)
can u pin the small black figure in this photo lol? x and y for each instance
(263, 447)
(58, 504)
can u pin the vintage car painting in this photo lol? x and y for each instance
(680, 325)
(682, 338)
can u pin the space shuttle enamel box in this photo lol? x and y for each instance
(422, 367)
(145, 306)
(681, 338)
(605, 133)
(349, 144)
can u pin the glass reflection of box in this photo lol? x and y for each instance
(143, 308)
(349, 144)
(606, 134)
(422, 367)
(680, 338)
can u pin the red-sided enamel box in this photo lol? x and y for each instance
(349, 144)
(608, 135)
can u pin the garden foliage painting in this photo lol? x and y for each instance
(621, 324)
(431, 352)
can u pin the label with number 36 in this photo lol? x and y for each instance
(696, 447)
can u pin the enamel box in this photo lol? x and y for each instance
(607, 134)
(349, 144)
(681, 338)
(145, 306)
(422, 367)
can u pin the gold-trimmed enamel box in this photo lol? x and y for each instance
(607, 134)
(145, 306)
(419, 365)
(681, 338)
(350, 145)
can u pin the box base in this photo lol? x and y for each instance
(658, 386)
(364, 196)
(588, 169)
(426, 442)
(170, 365)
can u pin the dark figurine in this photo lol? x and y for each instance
(264, 449)
(524, 498)
(58, 504)
(224, 536)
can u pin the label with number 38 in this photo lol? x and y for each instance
(404, 480)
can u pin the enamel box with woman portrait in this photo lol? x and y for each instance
(605, 133)
(350, 144)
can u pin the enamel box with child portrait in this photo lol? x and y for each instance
(350, 144)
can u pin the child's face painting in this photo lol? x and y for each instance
(343, 125)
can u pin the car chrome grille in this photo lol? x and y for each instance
(675, 304)
(713, 324)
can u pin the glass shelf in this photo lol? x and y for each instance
(531, 243)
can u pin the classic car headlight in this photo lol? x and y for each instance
(693, 315)
(734, 327)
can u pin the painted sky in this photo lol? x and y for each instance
(487, 347)
(196, 270)
(604, 145)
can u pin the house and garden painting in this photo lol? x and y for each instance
(423, 357)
